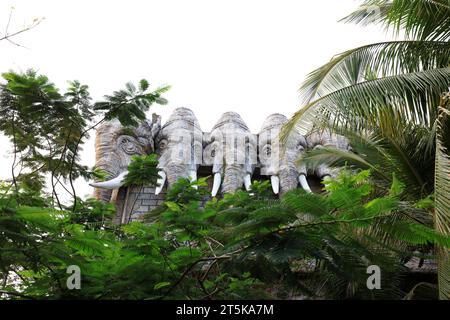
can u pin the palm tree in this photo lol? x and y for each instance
(387, 98)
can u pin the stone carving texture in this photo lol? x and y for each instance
(114, 146)
(230, 149)
(278, 161)
(179, 145)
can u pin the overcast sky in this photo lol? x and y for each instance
(248, 56)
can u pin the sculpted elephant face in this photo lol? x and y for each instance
(280, 162)
(231, 151)
(114, 146)
(179, 145)
(322, 139)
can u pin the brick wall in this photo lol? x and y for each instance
(140, 201)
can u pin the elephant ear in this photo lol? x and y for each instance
(326, 138)
(301, 145)
(316, 138)
(106, 154)
(251, 153)
(197, 151)
(212, 149)
(156, 128)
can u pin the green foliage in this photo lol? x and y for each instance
(92, 213)
(420, 19)
(442, 194)
(390, 118)
(47, 128)
(246, 245)
(99, 174)
(329, 238)
(385, 98)
(130, 104)
(42, 124)
(142, 170)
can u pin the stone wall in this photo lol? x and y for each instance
(146, 199)
(139, 202)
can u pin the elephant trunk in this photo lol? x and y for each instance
(175, 172)
(288, 179)
(233, 179)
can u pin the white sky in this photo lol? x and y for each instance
(248, 56)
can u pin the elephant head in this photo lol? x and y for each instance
(179, 145)
(230, 149)
(281, 162)
(114, 146)
(322, 139)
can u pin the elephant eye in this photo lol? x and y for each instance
(129, 145)
(267, 150)
(213, 153)
(163, 144)
(300, 148)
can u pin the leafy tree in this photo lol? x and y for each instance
(47, 128)
(384, 97)
(246, 245)
(129, 105)
(332, 236)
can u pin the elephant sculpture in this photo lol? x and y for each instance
(324, 138)
(281, 162)
(231, 150)
(114, 147)
(179, 145)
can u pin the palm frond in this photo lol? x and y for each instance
(442, 191)
(374, 60)
(412, 95)
(401, 149)
(337, 157)
(420, 19)
(369, 12)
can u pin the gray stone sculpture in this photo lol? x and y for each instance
(179, 145)
(278, 161)
(114, 147)
(230, 149)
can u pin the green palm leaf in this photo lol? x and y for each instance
(419, 19)
(383, 97)
(375, 60)
(442, 191)
(412, 95)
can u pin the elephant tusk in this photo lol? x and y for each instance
(115, 183)
(193, 177)
(160, 182)
(304, 182)
(275, 182)
(216, 185)
(248, 182)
